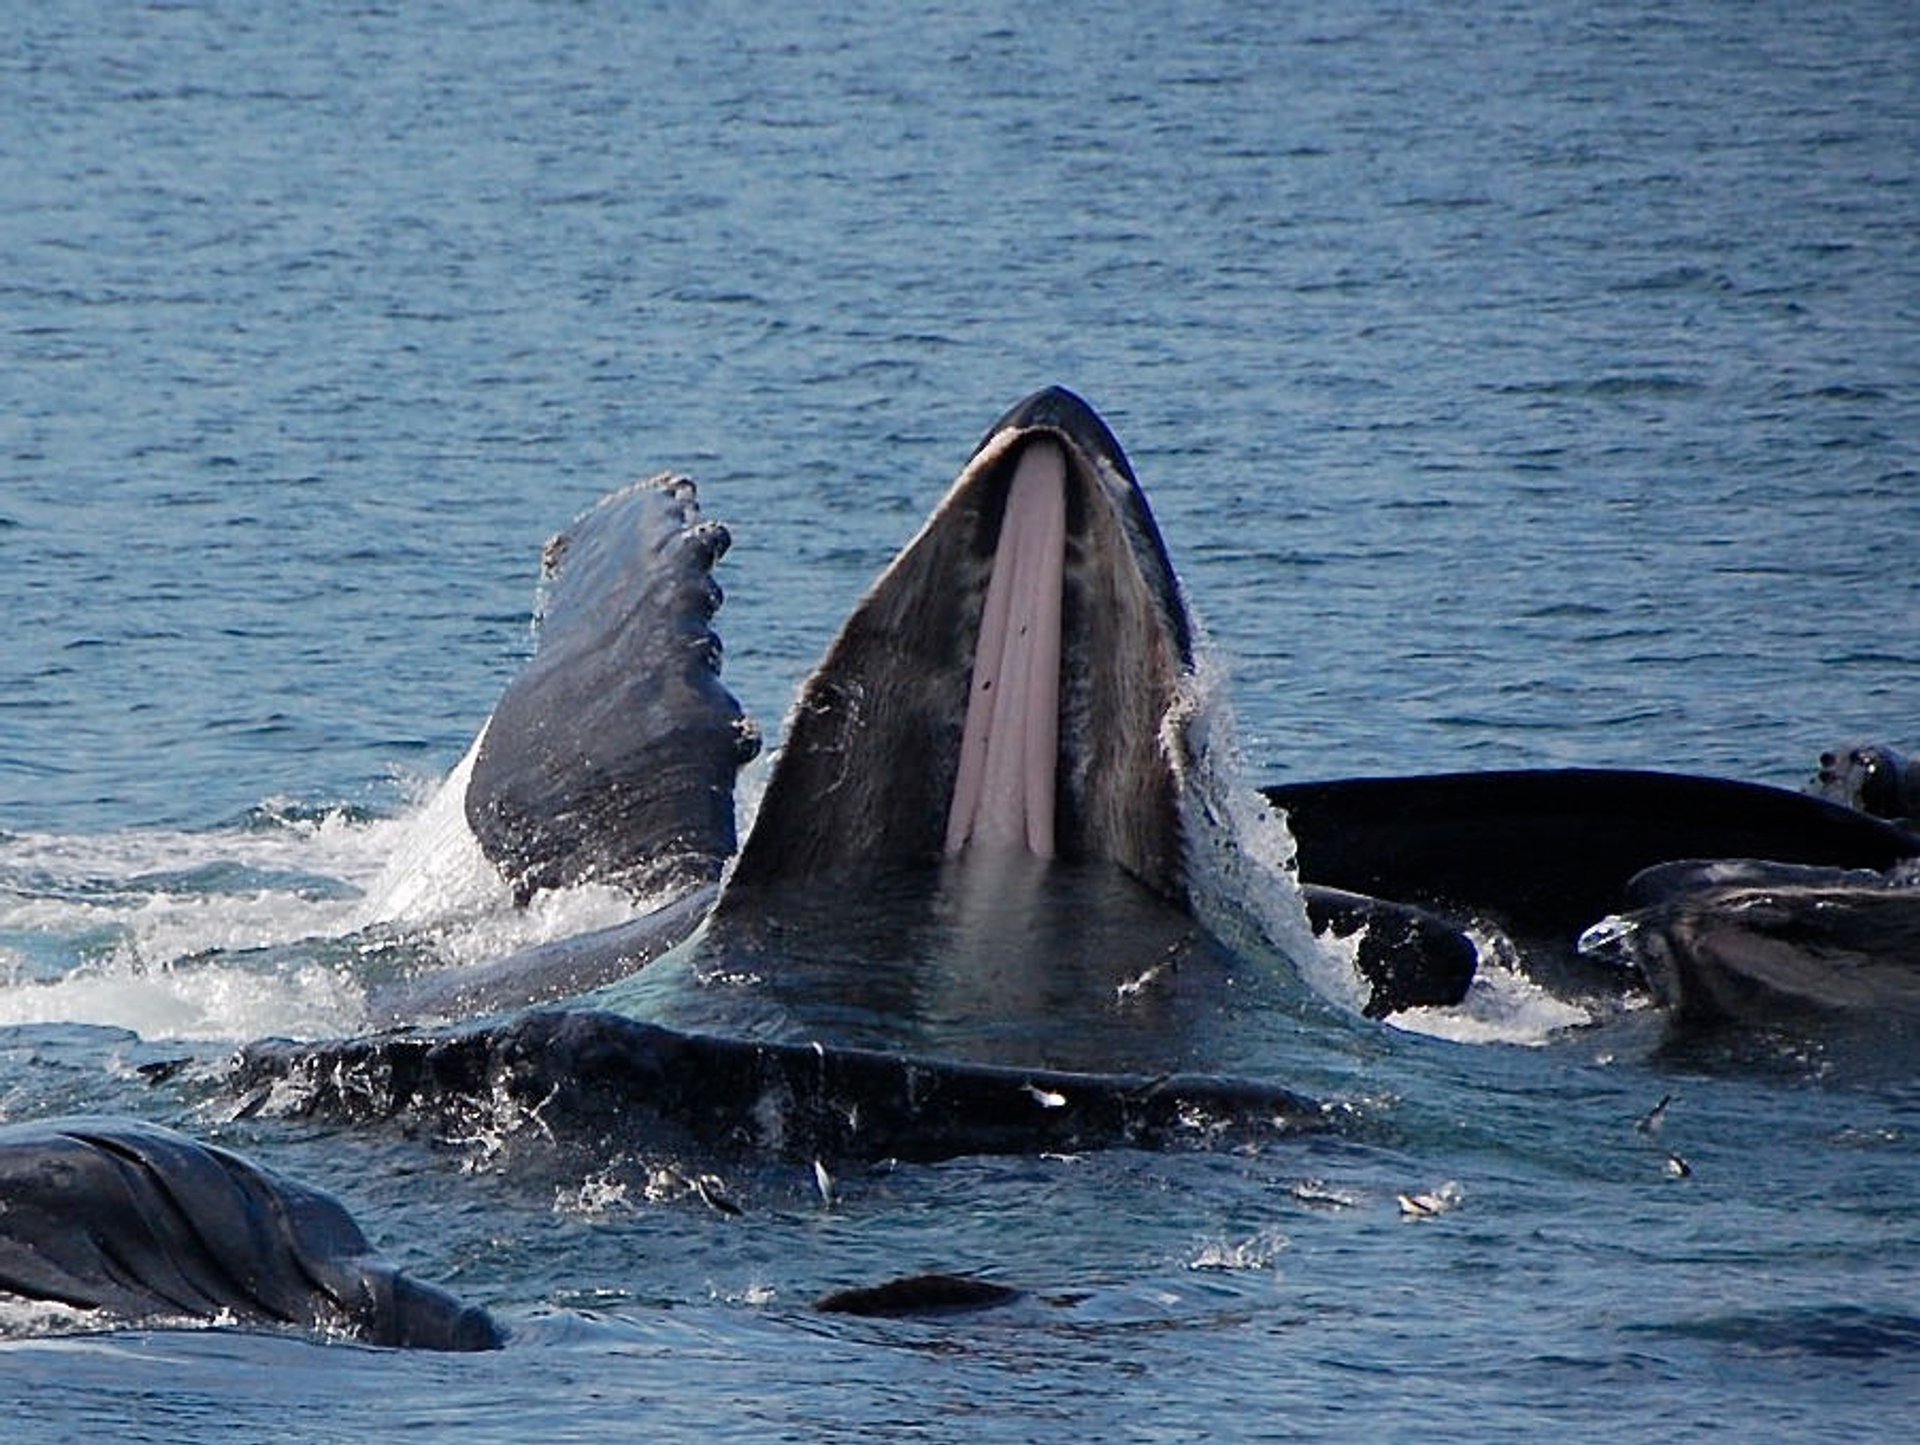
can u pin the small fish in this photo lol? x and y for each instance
(1134, 987)
(1427, 1206)
(1046, 1098)
(823, 1181)
(1677, 1167)
(1651, 1121)
(712, 1194)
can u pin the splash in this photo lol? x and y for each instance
(185, 935)
(439, 896)
(1259, 1251)
(22, 1319)
(1241, 859)
(1240, 853)
(1243, 872)
(194, 1003)
(281, 926)
(1502, 1006)
(434, 871)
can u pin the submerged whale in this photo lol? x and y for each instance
(627, 1085)
(1767, 943)
(141, 1224)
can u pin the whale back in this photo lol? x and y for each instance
(145, 1224)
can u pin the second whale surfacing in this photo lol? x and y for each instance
(129, 1222)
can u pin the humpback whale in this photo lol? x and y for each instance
(1761, 937)
(1768, 943)
(1010, 686)
(1015, 685)
(1010, 707)
(623, 1083)
(143, 1224)
(612, 755)
(996, 739)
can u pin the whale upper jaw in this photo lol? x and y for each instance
(912, 741)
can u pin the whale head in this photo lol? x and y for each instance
(1010, 683)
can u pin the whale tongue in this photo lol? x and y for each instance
(1003, 794)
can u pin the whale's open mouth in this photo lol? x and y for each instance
(1006, 683)
(1003, 792)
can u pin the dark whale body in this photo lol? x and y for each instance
(1543, 856)
(618, 1082)
(864, 796)
(1761, 943)
(146, 1225)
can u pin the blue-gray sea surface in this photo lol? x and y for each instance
(1515, 384)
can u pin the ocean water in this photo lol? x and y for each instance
(1517, 385)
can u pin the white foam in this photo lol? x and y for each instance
(22, 1318)
(482, 936)
(435, 870)
(1241, 862)
(1502, 1006)
(163, 932)
(439, 889)
(1240, 852)
(194, 1002)
(219, 935)
(253, 932)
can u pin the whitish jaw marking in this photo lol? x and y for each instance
(1004, 790)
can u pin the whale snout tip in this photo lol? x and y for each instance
(1056, 408)
(1053, 406)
